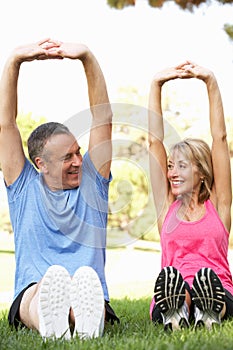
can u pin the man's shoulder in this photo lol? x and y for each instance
(26, 176)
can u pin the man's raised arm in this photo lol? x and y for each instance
(100, 145)
(11, 150)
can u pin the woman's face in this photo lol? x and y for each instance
(183, 175)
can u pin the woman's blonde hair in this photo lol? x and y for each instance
(199, 153)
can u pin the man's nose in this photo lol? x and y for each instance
(77, 160)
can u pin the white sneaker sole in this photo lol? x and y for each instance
(54, 303)
(87, 302)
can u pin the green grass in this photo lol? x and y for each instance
(134, 332)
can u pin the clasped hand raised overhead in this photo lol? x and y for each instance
(50, 49)
(185, 70)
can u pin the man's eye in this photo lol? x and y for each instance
(67, 157)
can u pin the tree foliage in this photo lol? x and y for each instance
(229, 30)
(120, 4)
(26, 125)
(183, 4)
(188, 5)
(131, 208)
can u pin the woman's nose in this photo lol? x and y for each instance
(174, 172)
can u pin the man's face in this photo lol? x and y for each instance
(62, 162)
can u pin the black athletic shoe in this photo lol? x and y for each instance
(208, 296)
(170, 298)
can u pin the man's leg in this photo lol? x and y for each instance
(28, 310)
(46, 305)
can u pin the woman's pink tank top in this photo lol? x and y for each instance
(189, 246)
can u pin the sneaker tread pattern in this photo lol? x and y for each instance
(208, 292)
(169, 289)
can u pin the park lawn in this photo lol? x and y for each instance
(7, 263)
(7, 266)
(135, 332)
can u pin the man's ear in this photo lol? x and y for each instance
(41, 164)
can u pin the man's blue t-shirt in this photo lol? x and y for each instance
(66, 227)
